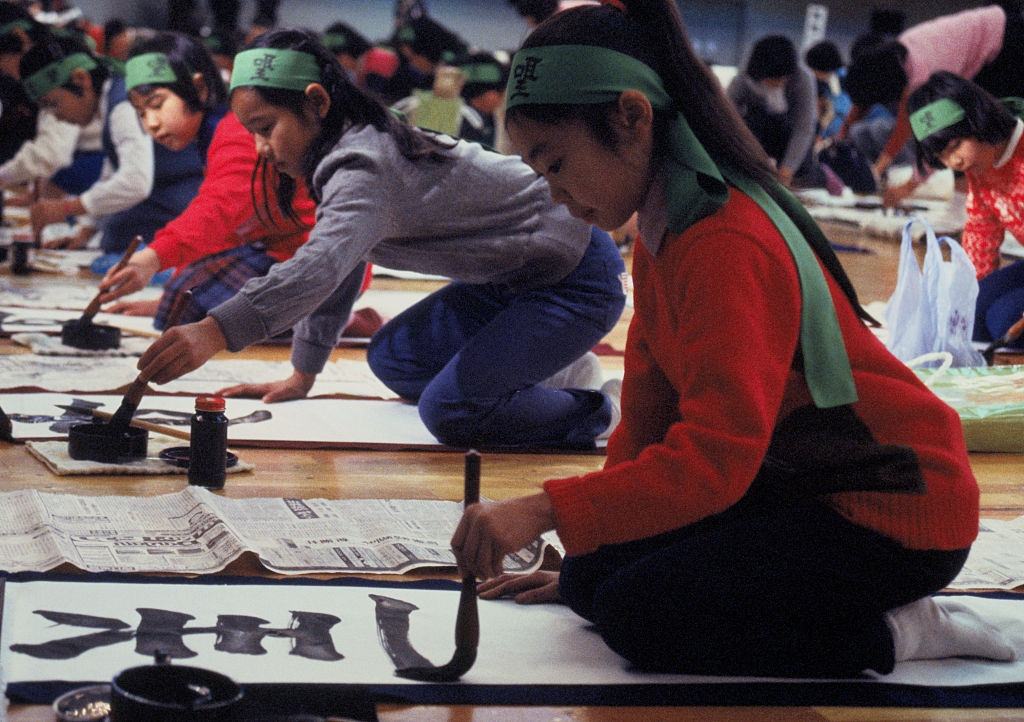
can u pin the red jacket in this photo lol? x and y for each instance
(222, 215)
(710, 382)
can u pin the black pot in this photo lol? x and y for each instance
(88, 335)
(171, 693)
(101, 442)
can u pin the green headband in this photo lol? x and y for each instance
(148, 69)
(695, 187)
(489, 73)
(275, 68)
(9, 28)
(335, 41)
(935, 116)
(56, 74)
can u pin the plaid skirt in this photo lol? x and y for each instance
(212, 279)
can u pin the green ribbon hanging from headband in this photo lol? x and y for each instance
(148, 69)
(695, 187)
(275, 68)
(937, 115)
(56, 74)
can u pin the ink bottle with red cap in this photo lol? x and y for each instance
(208, 447)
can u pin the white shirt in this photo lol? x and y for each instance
(132, 181)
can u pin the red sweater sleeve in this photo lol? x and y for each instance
(718, 322)
(222, 216)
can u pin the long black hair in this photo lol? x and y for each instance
(187, 56)
(54, 48)
(985, 118)
(652, 32)
(350, 107)
(876, 73)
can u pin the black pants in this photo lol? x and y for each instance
(773, 131)
(774, 586)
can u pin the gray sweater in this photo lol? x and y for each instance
(479, 217)
(802, 101)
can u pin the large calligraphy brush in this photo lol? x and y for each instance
(467, 620)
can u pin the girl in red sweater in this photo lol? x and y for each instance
(959, 125)
(781, 494)
(227, 234)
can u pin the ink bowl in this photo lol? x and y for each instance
(84, 334)
(101, 442)
(163, 692)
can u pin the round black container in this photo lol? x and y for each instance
(208, 445)
(171, 693)
(100, 442)
(89, 335)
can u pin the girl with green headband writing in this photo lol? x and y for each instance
(782, 494)
(534, 289)
(141, 187)
(957, 124)
(224, 237)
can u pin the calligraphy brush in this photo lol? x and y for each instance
(1011, 335)
(122, 418)
(94, 305)
(467, 620)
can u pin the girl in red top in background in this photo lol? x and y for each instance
(227, 234)
(959, 125)
(782, 494)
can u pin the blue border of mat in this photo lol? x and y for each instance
(323, 699)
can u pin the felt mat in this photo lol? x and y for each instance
(46, 345)
(542, 655)
(54, 454)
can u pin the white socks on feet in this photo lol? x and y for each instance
(583, 373)
(939, 627)
(612, 388)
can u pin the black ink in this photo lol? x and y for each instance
(162, 631)
(393, 632)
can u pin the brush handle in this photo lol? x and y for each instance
(94, 305)
(148, 425)
(471, 478)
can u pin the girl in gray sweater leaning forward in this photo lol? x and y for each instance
(534, 289)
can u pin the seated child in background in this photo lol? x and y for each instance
(35, 145)
(777, 99)
(141, 187)
(957, 124)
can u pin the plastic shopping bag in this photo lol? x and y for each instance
(932, 309)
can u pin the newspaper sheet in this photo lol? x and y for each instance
(195, 531)
(996, 560)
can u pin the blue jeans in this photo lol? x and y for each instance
(1000, 303)
(472, 355)
(779, 584)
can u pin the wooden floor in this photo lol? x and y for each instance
(432, 475)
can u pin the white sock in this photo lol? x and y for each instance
(939, 627)
(612, 388)
(583, 373)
